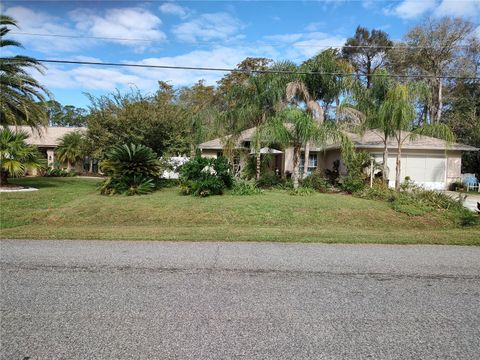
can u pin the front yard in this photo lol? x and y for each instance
(70, 208)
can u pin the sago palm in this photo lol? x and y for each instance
(21, 96)
(70, 149)
(16, 156)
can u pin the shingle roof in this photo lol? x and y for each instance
(370, 139)
(49, 136)
(216, 144)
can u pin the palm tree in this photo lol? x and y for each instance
(397, 114)
(16, 156)
(22, 98)
(327, 86)
(294, 128)
(70, 149)
(257, 101)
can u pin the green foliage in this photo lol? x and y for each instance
(70, 148)
(158, 122)
(56, 172)
(21, 96)
(379, 191)
(127, 185)
(416, 201)
(16, 156)
(352, 184)
(132, 170)
(65, 115)
(131, 160)
(204, 176)
(269, 180)
(318, 182)
(245, 187)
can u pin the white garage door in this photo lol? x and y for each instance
(426, 170)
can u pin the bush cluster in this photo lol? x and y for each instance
(131, 169)
(245, 187)
(204, 177)
(59, 173)
(416, 201)
(317, 182)
(272, 181)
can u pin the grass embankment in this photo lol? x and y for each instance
(70, 208)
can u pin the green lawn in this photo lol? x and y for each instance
(70, 208)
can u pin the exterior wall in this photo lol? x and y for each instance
(327, 158)
(210, 153)
(427, 168)
(454, 166)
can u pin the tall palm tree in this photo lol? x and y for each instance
(257, 101)
(397, 114)
(326, 86)
(70, 149)
(16, 156)
(294, 128)
(22, 97)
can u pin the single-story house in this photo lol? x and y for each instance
(429, 162)
(47, 140)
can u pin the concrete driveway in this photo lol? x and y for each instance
(470, 202)
(168, 300)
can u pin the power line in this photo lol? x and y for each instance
(295, 43)
(268, 71)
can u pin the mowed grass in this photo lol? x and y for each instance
(70, 208)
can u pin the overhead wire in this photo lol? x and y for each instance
(271, 71)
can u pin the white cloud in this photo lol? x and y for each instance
(463, 8)
(91, 78)
(173, 9)
(129, 23)
(410, 9)
(299, 46)
(284, 38)
(88, 78)
(214, 26)
(314, 26)
(38, 22)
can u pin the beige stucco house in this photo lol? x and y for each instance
(47, 140)
(429, 162)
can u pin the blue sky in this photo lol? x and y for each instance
(197, 33)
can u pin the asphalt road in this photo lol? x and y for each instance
(166, 300)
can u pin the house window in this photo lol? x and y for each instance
(219, 153)
(312, 163)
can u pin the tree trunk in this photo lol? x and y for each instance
(90, 166)
(385, 162)
(3, 177)
(69, 166)
(440, 101)
(296, 165)
(305, 163)
(398, 167)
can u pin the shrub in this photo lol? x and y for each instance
(246, 187)
(268, 180)
(352, 184)
(302, 191)
(317, 182)
(204, 177)
(132, 170)
(127, 185)
(55, 173)
(379, 191)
